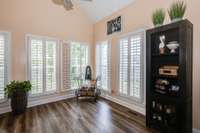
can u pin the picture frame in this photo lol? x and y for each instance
(114, 25)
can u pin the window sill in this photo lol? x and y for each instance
(2, 101)
(43, 94)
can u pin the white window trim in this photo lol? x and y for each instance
(143, 96)
(9, 55)
(28, 73)
(110, 52)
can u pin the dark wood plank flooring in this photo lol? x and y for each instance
(68, 116)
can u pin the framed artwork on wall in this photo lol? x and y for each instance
(114, 25)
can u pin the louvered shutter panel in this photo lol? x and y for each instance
(123, 66)
(98, 60)
(51, 65)
(79, 55)
(98, 64)
(84, 51)
(36, 66)
(2, 66)
(103, 65)
(75, 64)
(109, 70)
(136, 64)
(3, 63)
(66, 66)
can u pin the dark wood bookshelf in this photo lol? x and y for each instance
(169, 105)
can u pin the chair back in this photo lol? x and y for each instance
(88, 73)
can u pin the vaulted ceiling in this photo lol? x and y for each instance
(98, 9)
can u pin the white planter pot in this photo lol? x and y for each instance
(158, 25)
(176, 20)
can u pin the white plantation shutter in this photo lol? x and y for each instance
(123, 66)
(36, 66)
(136, 65)
(103, 65)
(84, 51)
(66, 66)
(50, 66)
(42, 69)
(131, 65)
(4, 40)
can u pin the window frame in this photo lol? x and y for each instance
(8, 36)
(140, 100)
(109, 89)
(28, 37)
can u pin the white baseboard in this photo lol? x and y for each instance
(31, 103)
(5, 109)
(133, 107)
(49, 100)
(196, 130)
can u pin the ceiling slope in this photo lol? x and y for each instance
(98, 9)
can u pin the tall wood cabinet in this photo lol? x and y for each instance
(169, 78)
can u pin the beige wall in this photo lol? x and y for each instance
(40, 17)
(138, 15)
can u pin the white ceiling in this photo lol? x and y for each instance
(98, 9)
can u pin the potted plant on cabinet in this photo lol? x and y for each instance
(158, 17)
(18, 92)
(177, 11)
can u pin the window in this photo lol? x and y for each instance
(78, 62)
(4, 62)
(131, 65)
(103, 65)
(75, 58)
(42, 69)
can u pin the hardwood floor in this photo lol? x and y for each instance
(68, 116)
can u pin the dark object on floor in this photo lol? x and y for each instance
(17, 91)
(19, 101)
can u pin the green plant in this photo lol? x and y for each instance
(177, 10)
(158, 16)
(13, 86)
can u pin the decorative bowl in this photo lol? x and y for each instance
(173, 46)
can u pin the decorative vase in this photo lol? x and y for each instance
(19, 101)
(162, 50)
(162, 44)
(173, 46)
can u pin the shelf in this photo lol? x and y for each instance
(165, 76)
(165, 55)
(164, 98)
(175, 95)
